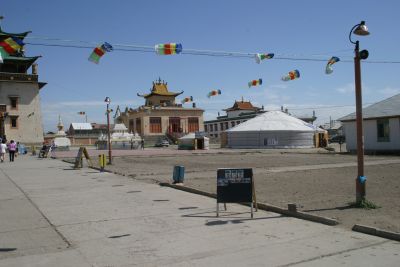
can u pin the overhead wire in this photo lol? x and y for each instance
(195, 52)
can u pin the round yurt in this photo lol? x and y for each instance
(192, 142)
(273, 129)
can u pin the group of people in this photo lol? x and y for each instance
(12, 148)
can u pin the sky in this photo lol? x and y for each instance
(289, 29)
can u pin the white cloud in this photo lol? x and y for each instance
(278, 86)
(346, 89)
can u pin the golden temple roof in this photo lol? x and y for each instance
(160, 88)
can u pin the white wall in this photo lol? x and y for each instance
(270, 139)
(30, 129)
(235, 113)
(370, 135)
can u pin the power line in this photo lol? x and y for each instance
(310, 108)
(194, 52)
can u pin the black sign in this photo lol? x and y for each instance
(234, 185)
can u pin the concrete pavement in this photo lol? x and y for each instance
(52, 215)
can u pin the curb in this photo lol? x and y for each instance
(262, 206)
(376, 232)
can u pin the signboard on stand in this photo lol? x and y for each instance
(78, 160)
(235, 186)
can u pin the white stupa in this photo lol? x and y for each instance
(120, 138)
(61, 141)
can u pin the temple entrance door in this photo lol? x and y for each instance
(174, 125)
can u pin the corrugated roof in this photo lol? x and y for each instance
(81, 126)
(389, 107)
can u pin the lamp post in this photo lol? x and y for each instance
(108, 100)
(362, 30)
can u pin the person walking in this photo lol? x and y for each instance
(16, 149)
(142, 143)
(3, 148)
(11, 150)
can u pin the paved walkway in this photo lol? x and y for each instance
(52, 215)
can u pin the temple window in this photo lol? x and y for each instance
(14, 102)
(14, 122)
(193, 124)
(155, 124)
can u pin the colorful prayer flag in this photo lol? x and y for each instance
(3, 54)
(294, 74)
(11, 45)
(187, 99)
(260, 57)
(329, 69)
(99, 51)
(254, 83)
(168, 49)
(213, 93)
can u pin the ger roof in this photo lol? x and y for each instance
(81, 126)
(273, 121)
(389, 107)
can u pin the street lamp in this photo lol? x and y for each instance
(108, 100)
(362, 30)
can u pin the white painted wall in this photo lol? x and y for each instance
(370, 135)
(30, 129)
(235, 113)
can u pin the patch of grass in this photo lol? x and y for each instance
(364, 204)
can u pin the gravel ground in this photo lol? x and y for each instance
(318, 182)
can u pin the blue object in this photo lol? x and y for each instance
(22, 149)
(362, 179)
(179, 174)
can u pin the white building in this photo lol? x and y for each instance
(20, 114)
(381, 125)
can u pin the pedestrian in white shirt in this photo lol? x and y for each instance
(3, 148)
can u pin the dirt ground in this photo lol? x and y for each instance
(319, 183)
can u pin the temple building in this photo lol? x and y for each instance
(20, 114)
(240, 112)
(161, 117)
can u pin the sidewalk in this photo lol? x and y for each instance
(52, 215)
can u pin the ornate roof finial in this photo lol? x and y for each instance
(159, 80)
(242, 99)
